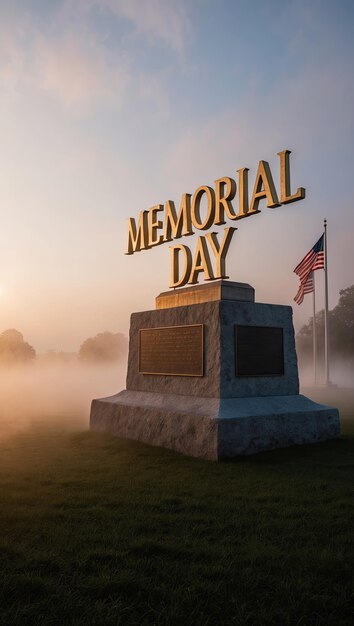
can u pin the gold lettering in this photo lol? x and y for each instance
(223, 199)
(220, 251)
(243, 206)
(264, 188)
(154, 225)
(176, 227)
(285, 193)
(137, 237)
(195, 211)
(206, 207)
(176, 280)
(201, 262)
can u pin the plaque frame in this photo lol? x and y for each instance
(277, 375)
(199, 375)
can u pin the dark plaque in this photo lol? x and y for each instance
(172, 351)
(259, 351)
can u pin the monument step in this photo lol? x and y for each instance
(214, 428)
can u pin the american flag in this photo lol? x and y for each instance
(314, 260)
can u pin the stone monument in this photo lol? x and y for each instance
(213, 374)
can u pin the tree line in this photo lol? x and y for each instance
(341, 331)
(104, 347)
(110, 347)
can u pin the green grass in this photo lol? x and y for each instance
(98, 530)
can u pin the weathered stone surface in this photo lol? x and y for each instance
(219, 380)
(209, 384)
(159, 420)
(256, 314)
(214, 428)
(256, 424)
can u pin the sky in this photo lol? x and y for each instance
(108, 107)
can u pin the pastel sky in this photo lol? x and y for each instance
(111, 106)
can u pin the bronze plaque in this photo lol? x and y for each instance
(172, 351)
(259, 351)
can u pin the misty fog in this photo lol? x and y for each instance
(60, 394)
(341, 374)
(54, 393)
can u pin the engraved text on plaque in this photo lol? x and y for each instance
(172, 351)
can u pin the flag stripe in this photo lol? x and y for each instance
(304, 261)
(307, 287)
(313, 260)
(304, 267)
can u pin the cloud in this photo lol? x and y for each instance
(73, 65)
(70, 56)
(151, 91)
(12, 53)
(311, 109)
(160, 21)
(76, 70)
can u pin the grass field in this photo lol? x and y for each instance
(98, 530)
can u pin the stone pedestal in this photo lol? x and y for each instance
(239, 390)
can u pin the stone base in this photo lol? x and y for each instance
(205, 292)
(214, 428)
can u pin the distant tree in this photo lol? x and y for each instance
(104, 347)
(341, 322)
(13, 348)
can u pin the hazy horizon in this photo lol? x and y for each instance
(60, 395)
(54, 394)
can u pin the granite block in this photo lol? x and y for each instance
(219, 319)
(217, 428)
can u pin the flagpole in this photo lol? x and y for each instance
(326, 308)
(314, 339)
